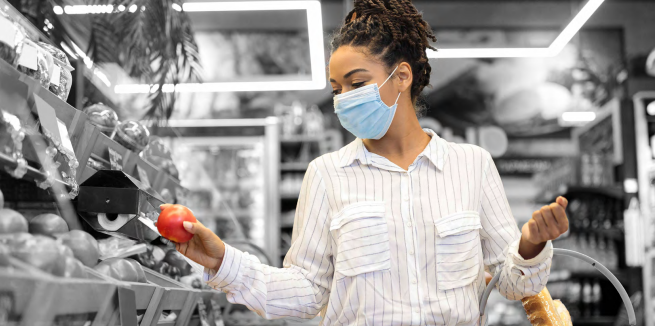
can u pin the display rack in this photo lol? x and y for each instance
(95, 294)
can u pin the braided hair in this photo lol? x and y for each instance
(393, 31)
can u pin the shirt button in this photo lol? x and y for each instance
(414, 282)
(409, 224)
(418, 311)
(405, 198)
(411, 252)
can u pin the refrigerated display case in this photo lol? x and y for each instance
(231, 170)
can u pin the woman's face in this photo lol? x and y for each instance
(351, 68)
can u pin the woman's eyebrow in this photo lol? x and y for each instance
(354, 71)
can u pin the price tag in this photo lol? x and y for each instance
(65, 139)
(28, 56)
(56, 75)
(143, 176)
(115, 160)
(48, 118)
(7, 32)
(149, 223)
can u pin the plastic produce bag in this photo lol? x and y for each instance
(61, 78)
(11, 40)
(36, 62)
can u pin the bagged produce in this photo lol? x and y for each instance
(11, 40)
(36, 62)
(103, 117)
(132, 135)
(61, 79)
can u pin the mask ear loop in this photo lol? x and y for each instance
(389, 77)
(397, 98)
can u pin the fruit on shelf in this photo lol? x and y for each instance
(39, 251)
(132, 135)
(5, 252)
(74, 268)
(174, 258)
(48, 224)
(12, 221)
(169, 223)
(122, 269)
(160, 155)
(103, 117)
(165, 268)
(83, 245)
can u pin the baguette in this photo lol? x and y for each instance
(542, 311)
(563, 313)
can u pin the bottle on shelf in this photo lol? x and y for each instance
(597, 296)
(587, 298)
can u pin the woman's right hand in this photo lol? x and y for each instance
(205, 248)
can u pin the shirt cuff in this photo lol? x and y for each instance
(228, 276)
(518, 260)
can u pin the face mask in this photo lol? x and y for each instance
(362, 112)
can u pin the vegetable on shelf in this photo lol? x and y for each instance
(12, 221)
(48, 224)
(122, 269)
(102, 117)
(132, 135)
(84, 246)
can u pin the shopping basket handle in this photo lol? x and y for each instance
(565, 252)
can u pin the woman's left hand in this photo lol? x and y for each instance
(548, 223)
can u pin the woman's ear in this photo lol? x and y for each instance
(404, 74)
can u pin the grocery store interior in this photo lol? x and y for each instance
(110, 108)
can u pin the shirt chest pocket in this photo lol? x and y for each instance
(458, 249)
(362, 237)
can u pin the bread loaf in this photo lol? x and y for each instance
(563, 313)
(541, 310)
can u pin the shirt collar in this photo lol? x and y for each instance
(436, 152)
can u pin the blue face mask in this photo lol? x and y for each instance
(362, 112)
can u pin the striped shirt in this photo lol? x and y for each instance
(374, 244)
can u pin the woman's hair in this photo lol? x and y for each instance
(392, 31)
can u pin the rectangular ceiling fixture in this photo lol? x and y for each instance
(316, 51)
(315, 27)
(554, 49)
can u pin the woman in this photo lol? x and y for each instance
(399, 226)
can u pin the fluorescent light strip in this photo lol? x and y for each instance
(578, 116)
(316, 51)
(554, 49)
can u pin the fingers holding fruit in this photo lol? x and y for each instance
(191, 238)
(548, 223)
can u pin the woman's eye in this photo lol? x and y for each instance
(336, 92)
(358, 85)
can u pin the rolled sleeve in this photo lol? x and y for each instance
(544, 256)
(228, 277)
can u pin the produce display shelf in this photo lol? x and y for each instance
(177, 297)
(34, 294)
(31, 173)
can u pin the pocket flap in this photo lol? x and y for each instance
(458, 223)
(356, 211)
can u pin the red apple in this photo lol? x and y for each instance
(170, 221)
